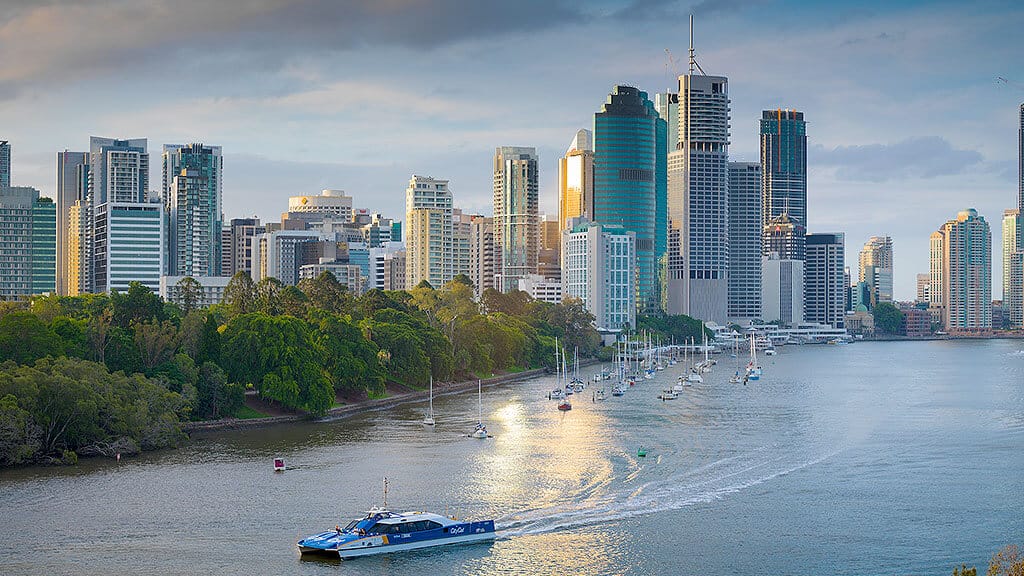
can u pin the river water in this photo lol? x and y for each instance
(872, 458)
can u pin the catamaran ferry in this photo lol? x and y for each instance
(382, 531)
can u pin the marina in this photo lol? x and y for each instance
(798, 472)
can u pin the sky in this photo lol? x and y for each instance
(907, 123)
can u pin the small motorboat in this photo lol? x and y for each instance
(769, 352)
(641, 452)
(480, 431)
(382, 531)
(669, 394)
(695, 378)
(279, 465)
(618, 390)
(565, 405)
(599, 395)
(557, 394)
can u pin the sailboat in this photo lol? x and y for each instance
(753, 369)
(694, 377)
(577, 382)
(429, 420)
(480, 431)
(736, 378)
(566, 404)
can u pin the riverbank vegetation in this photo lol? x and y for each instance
(117, 373)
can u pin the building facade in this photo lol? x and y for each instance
(964, 265)
(599, 268)
(630, 173)
(193, 202)
(278, 254)
(5, 164)
(876, 268)
(782, 290)
(481, 253)
(127, 245)
(923, 285)
(784, 169)
(428, 237)
(824, 286)
(72, 194)
(744, 242)
(541, 288)
(698, 203)
(28, 226)
(576, 180)
(516, 203)
(212, 289)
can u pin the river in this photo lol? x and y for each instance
(871, 458)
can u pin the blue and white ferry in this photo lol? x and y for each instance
(382, 531)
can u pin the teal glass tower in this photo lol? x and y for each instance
(630, 187)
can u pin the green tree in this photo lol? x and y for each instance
(351, 362)
(215, 396)
(156, 342)
(190, 292)
(24, 338)
(888, 318)
(326, 293)
(277, 355)
(209, 342)
(293, 302)
(268, 296)
(139, 304)
(73, 335)
(240, 294)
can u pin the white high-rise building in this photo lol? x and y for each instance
(876, 268)
(516, 235)
(744, 242)
(128, 245)
(599, 267)
(782, 291)
(429, 249)
(481, 253)
(698, 201)
(962, 261)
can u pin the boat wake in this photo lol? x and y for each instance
(696, 486)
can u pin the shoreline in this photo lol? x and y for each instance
(349, 410)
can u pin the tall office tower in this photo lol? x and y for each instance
(72, 188)
(462, 239)
(1013, 293)
(516, 237)
(935, 262)
(1011, 231)
(630, 181)
(698, 203)
(193, 202)
(333, 204)
(428, 240)
(28, 231)
(876, 268)
(117, 202)
(849, 288)
(279, 254)
(481, 253)
(782, 273)
(5, 163)
(784, 164)
(1020, 174)
(824, 290)
(667, 105)
(598, 267)
(576, 179)
(127, 245)
(923, 284)
(744, 242)
(239, 246)
(965, 271)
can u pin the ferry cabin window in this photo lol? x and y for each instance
(351, 525)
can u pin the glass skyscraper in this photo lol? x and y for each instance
(516, 234)
(27, 243)
(744, 242)
(5, 163)
(630, 170)
(784, 166)
(192, 197)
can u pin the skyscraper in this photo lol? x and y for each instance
(516, 203)
(192, 197)
(876, 268)
(576, 179)
(1013, 296)
(1011, 231)
(5, 163)
(72, 188)
(28, 237)
(630, 180)
(1020, 173)
(784, 164)
(481, 253)
(428, 237)
(782, 273)
(964, 247)
(698, 201)
(824, 290)
(598, 268)
(923, 286)
(238, 248)
(118, 170)
(744, 242)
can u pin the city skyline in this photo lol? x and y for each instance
(898, 154)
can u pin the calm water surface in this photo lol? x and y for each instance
(874, 458)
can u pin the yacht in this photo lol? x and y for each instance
(480, 431)
(618, 390)
(669, 394)
(382, 531)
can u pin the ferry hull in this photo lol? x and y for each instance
(356, 549)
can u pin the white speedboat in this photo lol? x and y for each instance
(669, 394)
(694, 378)
(619, 390)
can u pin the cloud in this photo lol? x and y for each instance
(50, 41)
(670, 9)
(926, 157)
